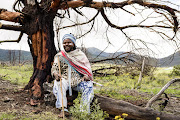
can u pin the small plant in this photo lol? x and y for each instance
(157, 118)
(118, 117)
(79, 111)
(7, 116)
(176, 71)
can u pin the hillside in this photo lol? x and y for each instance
(170, 60)
(4, 55)
(92, 54)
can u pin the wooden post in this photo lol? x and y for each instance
(140, 75)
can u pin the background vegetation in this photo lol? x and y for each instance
(17, 74)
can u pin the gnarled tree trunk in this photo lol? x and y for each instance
(41, 41)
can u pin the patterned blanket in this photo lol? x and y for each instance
(78, 61)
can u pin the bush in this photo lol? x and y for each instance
(176, 70)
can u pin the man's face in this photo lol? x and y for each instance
(68, 45)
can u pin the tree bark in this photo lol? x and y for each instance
(10, 16)
(43, 51)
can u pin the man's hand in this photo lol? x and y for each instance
(57, 76)
(86, 78)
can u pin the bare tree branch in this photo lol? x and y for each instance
(14, 7)
(10, 16)
(12, 27)
(100, 5)
(114, 58)
(55, 4)
(88, 30)
(128, 26)
(80, 23)
(19, 38)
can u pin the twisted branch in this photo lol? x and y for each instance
(101, 5)
(80, 23)
(153, 99)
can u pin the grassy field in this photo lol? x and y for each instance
(17, 74)
(113, 86)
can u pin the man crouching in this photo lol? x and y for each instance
(75, 73)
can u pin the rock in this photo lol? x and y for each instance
(7, 99)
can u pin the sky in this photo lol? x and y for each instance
(100, 32)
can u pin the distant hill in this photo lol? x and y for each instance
(170, 61)
(4, 55)
(93, 52)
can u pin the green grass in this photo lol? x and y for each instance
(164, 70)
(150, 84)
(17, 74)
(114, 93)
(79, 111)
(25, 115)
(8, 116)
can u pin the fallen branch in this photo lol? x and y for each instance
(117, 107)
(153, 99)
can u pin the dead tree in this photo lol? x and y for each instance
(36, 17)
(19, 52)
(9, 56)
(14, 57)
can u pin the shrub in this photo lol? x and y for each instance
(176, 70)
(96, 112)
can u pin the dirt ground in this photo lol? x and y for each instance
(12, 98)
